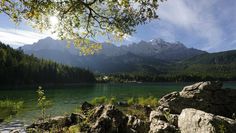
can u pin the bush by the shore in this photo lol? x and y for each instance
(9, 108)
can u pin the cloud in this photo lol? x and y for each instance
(196, 18)
(19, 37)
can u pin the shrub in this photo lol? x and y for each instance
(112, 100)
(9, 108)
(99, 100)
(131, 101)
(151, 101)
(43, 103)
(103, 100)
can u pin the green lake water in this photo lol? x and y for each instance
(66, 98)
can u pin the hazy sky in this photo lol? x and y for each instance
(204, 24)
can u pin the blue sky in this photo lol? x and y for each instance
(204, 24)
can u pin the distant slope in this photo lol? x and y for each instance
(152, 57)
(18, 68)
(226, 57)
(209, 66)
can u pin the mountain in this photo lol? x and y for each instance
(208, 66)
(18, 68)
(226, 57)
(147, 56)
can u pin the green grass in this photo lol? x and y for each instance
(103, 100)
(142, 101)
(9, 108)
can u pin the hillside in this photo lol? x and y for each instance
(226, 57)
(152, 56)
(18, 68)
(209, 66)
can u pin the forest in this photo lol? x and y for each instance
(180, 72)
(16, 68)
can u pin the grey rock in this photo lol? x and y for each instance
(58, 121)
(76, 118)
(86, 106)
(207, 96)
(136, 125)
(159, 126)
(156, 114)
(108, 119)
(173, 119)
(147, 110)
(122, 103)
(160, 123)
(196, 121)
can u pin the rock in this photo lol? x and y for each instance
(160, 123)
(59, 122)
(1, 120)
(157, 115)
(97, 113)
(16, 131)
(122, 103)
(196, 121)
(86, 106)
(108, 119)
(173, 119)
(76, 118)
(136, 125)
(159, 126)
(147, 110)
(207, 96)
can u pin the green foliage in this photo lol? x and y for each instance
(142, 101)
(112, 100)
(131, 101)
(80, 20)
(222, 128)
(9, 108)
(43, 103)
(152, 101)
(210, 66)
(103, 100)
(99, 100)
(74, 129)
(18, 68)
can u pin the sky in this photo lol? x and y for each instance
(208, 25)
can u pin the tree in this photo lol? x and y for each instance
(81, 20)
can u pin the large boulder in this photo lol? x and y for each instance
(207, 96)
(160, 123)
(196, 121)
(159, 126)
(108, 119)
(58, 121)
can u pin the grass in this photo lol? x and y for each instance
(142, 101)
(103, 100)
(9, 108)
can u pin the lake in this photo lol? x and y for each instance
(66, 98)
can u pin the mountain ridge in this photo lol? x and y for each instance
(155, 54)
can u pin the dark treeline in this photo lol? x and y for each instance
(217, 66)
(122, 78)
(18, 68)
(178, 73)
